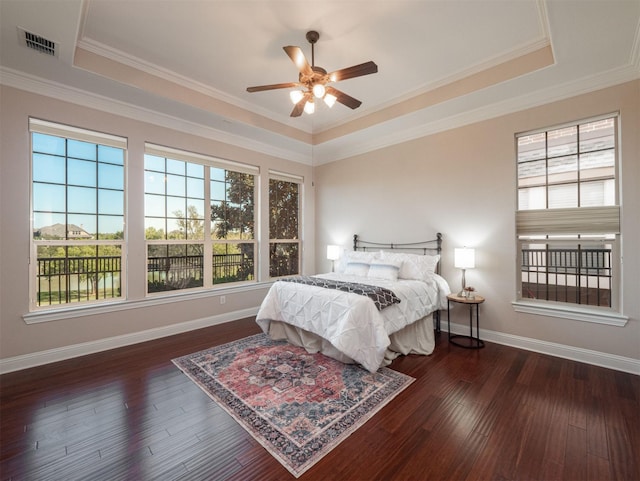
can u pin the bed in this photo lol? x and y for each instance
(382, 301)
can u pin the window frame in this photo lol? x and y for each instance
(571, 226)
(275, 175)
(43, 127)
(208, 241)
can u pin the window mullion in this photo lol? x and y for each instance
(578, 157)
(546, 169)
(207, 272)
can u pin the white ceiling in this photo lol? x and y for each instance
(187, 63)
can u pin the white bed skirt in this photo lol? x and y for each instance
(416, 338)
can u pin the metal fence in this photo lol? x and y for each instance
(181, 272)
(62, 280)
(576, 275)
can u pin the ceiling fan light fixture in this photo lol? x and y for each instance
(330, 100)
(318, 90)
(313, 81)
(296, 96)
(310, 107)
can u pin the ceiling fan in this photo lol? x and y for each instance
(314, 80)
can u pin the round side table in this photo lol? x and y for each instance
(468, 342)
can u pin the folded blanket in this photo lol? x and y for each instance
(380, 296)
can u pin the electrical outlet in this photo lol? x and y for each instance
(223, 299)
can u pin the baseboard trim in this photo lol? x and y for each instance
(596, 358)
(35, 359)
(17, 363)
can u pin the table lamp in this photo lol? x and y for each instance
(333, 254)
(464, 258)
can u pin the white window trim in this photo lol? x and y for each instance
(38, 317)
(609, 215)
(207, 241)
(574, 312)
(85, 135)
(294, 179)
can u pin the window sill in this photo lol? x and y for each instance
(58, 314)
(577, 313)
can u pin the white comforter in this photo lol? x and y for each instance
(351, 322)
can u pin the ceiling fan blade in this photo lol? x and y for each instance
(260, 88)
(299, 107)
(295, 54)
(343, 98)
(355, 71)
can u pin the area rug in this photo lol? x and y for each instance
(299, 406)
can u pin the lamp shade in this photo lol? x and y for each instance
(464, 258)
(330, 100)
(318, 90)
(296, 96)
(309, 107)
(333, 252)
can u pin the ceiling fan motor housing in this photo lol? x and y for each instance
(319, 76)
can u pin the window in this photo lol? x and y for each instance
(568, 220)
(284, 224)
(199, 220)
(77, 199)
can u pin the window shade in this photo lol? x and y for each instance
(49, 128)
(176, 154)
(581, 220)
(277, 175)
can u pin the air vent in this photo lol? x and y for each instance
(37, 42)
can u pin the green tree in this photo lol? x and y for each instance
(151, 233)
(233, 219)
(284, 202)
(235, 214)
(192, 224)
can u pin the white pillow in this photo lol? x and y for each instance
(414, 266)
(357, 268)
(387, 270)
(356, 256)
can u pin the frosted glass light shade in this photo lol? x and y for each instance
(309, 107)
(296, 96)
(318, 90)
(464, 258)
(330, 100)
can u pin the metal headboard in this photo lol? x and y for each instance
(433, 246)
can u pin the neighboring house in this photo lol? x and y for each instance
(57, 231)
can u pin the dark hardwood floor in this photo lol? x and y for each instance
(497, 414)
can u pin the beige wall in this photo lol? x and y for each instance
(462, 183)
(459, 182)
(19, 339)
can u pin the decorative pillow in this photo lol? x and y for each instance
(357, 268)
(355, 256)
(414, 266)
(387, 270)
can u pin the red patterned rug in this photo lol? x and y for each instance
(299, 406)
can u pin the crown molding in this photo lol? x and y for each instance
(47, 88)
(338, 150)
(635, 51)
(149, 68)
(342, 148)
